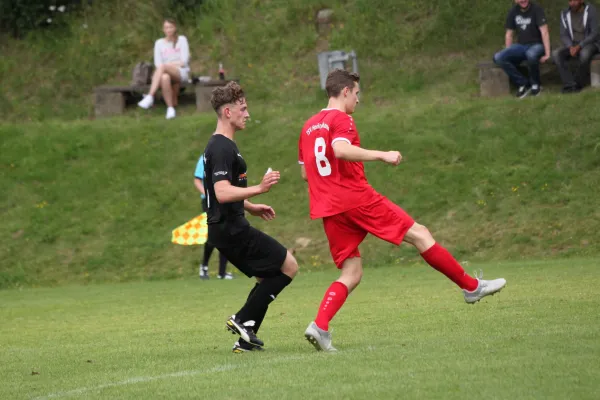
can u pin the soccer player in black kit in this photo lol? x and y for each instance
(251, 251)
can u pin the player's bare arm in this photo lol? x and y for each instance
(259, 210)
(227, 193)
(347, 152)
(303, 173)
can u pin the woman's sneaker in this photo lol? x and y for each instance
(170, 113)
(227, 276)
(146, 102)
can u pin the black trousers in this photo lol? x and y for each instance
(208, 249)
(581, 77)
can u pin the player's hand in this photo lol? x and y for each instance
(392, 157)
(270, 179)
(544, 58)
(262, 210)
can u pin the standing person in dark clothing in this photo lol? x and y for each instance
(251, 251)
(528, 21)
(208, 248)
(581, 40)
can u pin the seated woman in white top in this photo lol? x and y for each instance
(171, 58)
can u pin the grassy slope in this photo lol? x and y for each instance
(90, 201)
(269, 45)
(404, 333)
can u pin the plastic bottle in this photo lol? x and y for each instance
(221, 72)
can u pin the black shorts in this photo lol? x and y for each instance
(204, 205)
(255, 253)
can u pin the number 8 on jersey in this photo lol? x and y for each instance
(323, 164)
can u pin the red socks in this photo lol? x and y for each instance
(334, 300)
(440, 259)
(436, 256)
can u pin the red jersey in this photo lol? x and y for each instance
(334, 185)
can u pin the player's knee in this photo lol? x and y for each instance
(420, 232)
(420, 237)
(290, 266)
(165, 78)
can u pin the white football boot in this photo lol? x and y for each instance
(319, 338)
(484, 288)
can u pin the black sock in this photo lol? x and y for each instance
(222, 264)
(258, 319)
(260, 316)
(257, 323)
(252, 291)
(264, 293)
(208, 249)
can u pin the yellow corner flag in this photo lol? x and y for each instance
(192, 232)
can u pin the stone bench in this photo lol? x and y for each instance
(112, 100)
(494, 82)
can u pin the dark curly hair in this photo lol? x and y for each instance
(228, 94)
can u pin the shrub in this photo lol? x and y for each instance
(17, 17)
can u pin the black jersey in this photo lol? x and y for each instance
(526, 23)
(223, 161)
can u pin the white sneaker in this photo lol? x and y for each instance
(203, 272)
(146, 102)
(319, 338)
(484, 288)
(170, 113)
(227, 276)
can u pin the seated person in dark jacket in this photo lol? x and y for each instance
(580, 39)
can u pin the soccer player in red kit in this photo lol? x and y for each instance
(331, 161)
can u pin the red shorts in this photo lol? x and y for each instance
(347, 230)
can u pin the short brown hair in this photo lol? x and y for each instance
(338, 79)
(228, 94)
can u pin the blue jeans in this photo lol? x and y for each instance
(510, 58)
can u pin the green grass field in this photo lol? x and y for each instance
(405, 333)
(97, 303)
